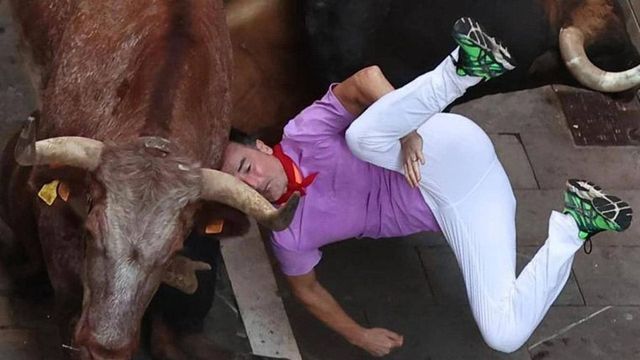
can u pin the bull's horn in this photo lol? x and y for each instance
(65, 150)
(224, 188)
(589, 75)
(180, 273)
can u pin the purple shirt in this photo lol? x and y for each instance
(349, 197)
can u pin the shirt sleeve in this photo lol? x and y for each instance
(295, 262)
(325, 117)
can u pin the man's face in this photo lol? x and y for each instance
(256, 167)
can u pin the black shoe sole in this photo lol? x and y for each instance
(610, 207)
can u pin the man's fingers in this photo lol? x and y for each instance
(396, 339)
(406, 173)
(380, 353)
(412, 173)
(392, 335)
(382, 341)
(421, 157)
(416, 172)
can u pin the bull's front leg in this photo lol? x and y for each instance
(177, 318)
(163, 340)
(62, 236)
(23, 255)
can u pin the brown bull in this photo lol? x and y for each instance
(134, 114)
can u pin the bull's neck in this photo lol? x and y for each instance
(140, 70)
(575, 13)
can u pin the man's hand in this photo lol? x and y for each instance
(378, 341)
(319, 302)
(413, 157)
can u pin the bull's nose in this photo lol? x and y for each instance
(90, 349)
(101, 353)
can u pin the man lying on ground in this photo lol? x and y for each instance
(346, 153)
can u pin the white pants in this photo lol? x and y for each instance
(470, 195)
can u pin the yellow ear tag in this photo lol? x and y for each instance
(48, 192)
(214, 227)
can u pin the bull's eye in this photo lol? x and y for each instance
(89, 202)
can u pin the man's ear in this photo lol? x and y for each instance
(260, 145)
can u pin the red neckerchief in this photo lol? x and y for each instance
(295, 180)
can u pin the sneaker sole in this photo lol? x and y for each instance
(610, 207)
(475, 32)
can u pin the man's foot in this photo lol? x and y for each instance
(480, 54)
(593, 210)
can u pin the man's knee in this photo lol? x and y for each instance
(503, 341)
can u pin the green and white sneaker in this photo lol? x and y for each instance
(594, 211)
(480, 54)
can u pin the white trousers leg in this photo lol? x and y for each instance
(468, 191)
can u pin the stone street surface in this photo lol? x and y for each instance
(412, 285)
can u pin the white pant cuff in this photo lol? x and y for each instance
(566, 224)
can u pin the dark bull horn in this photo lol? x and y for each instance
(589, 75)
(65, 150)
(224, 188)
(180, 273)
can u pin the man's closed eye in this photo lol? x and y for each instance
(244, 166)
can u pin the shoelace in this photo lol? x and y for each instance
(486, 66)
(480, 62)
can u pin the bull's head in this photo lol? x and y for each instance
(143, 198)
(597, 28)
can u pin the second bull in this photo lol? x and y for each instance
(553, 41)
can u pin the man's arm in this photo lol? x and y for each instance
(362, 89)
(321, 304)
(332, 114)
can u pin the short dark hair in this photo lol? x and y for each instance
(243, 138)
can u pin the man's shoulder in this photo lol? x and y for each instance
(295, 142)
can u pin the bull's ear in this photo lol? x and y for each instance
(180, 273)
(73, 183)
(220, 221)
